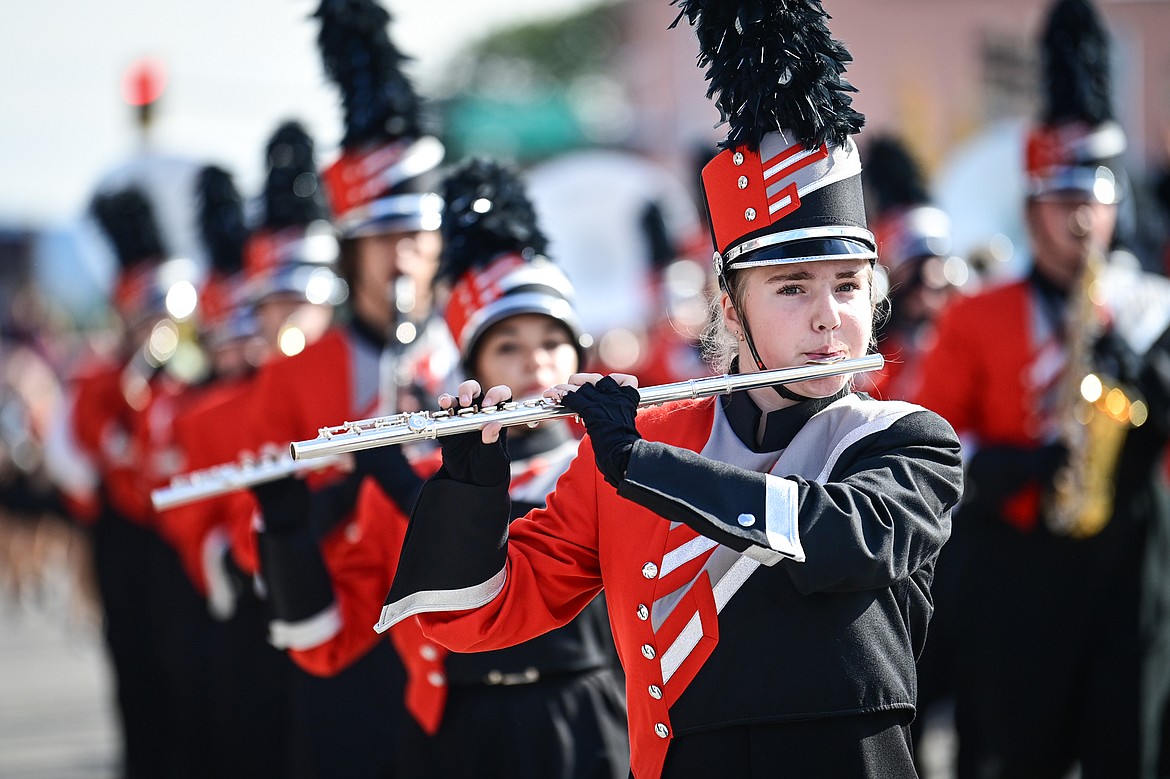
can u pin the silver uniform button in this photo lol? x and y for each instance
(649, 570)
(750, 214)
(661, 730)
(428, 652)
(647, 651)
(737, 158)
(436, 679)
(743, 182)
(747, 520)
(656, 692)
(643, 612)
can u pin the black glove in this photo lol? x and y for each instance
(608, 410)
(388, 466)
(284, 503)
(468, 459)
(1113, 357)
(996, 473)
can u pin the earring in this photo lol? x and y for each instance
(739, 334)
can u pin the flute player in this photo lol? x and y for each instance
(766, 557)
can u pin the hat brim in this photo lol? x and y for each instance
(822, 249)
(1096, 184)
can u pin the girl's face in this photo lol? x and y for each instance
(804, 313)
(528, 352)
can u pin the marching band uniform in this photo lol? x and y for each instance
(554, 705)
(914, 240)
(251, 732)
(366, 367)
(1059, 657)
(767, 573)
(115, 437)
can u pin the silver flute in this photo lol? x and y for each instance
(221, 479)
(426, 425)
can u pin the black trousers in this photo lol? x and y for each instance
(568, 726)
(859, 746)
(1048, 654)
(155, 629)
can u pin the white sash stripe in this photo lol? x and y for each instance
(676, 558)
(869, 428)
(731, 581)
(682, 647)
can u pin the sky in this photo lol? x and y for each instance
(235, 70)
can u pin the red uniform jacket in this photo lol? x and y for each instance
(208, 433)
(131, 450)
(997, 364)
(360, 558)
(870, 537)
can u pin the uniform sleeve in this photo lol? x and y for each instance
(949, 374)
(879, 517)
(478, 583)
(885, 510)
(360, 559)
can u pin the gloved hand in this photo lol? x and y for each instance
(608, 409)
(1114, 357)
(468, 459)
(995, 473)
(388, 466)
(284, 503)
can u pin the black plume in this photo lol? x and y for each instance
(891, 176)
(1075, 56)
(379, 101)
(486, 212)
(293, 194)
(128, 220)
(221, 219)
(773, 65)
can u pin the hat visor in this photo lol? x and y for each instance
(807, 250)
(403, 213)
(1091, 184)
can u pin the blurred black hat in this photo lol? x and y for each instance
(493, 257)
(222, 318)
(293, 251)
(1076, 146)
(379, 182)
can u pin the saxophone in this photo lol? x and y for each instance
(1096, 414)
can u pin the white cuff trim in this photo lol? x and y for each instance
(781, 526)
(305, 633)
(463, 599)
(221, 595)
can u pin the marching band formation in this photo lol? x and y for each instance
(403, 519)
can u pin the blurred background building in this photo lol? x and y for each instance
(524, 80)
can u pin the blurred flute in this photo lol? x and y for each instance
(425, 425)
(222, 479)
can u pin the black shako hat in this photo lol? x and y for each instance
(379, 183)
(1076, 145)
(493, 257)
(787, 186)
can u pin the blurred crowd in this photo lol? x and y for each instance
(323, 300)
